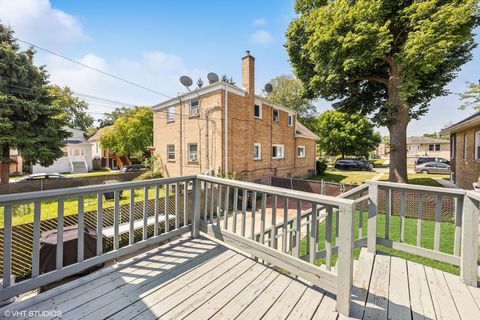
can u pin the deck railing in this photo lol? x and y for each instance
(301, 233)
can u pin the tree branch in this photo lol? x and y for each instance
(379, 79)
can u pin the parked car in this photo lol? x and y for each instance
(134, 168)
(422, 160)
(43, 176)
(353, 164)
(432, 167)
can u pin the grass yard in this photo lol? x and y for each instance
(24, 213)
(423, 179)
(378, 162)
(446, 240)
(345, 176)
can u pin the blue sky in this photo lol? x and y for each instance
(154, 42)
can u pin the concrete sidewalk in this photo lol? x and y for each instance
(446, 183)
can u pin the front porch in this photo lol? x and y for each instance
(224, 259)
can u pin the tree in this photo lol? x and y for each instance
(343, 133)
(381, 57)
(287, 91)
(471, 96)
(131, 133)
(29, 122)
(228, 79)
(74, 108)
(110, 117)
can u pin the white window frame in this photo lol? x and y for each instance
(194, 111)
(273, 115)
(278, 147)
(464, 146)
(304, 151)
(170, 113)
(290, 120)
(259, 156)
(169, 153)
(434, 146)
(477, 145)
(192, 157)
(260, 110)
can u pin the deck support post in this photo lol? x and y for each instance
(372, 217)
(346, 215)
(469, 254)
(196, 208)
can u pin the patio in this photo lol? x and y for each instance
(215, 265)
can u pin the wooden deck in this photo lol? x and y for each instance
(202, 279)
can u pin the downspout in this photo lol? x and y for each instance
(181, 137)
(225, 124)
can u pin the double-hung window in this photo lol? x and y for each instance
(433, 147)
(464, 146)
(257, 151)
(276, 115)
(171, 152)
(477, 145)
(192, 152)
(170, 114)
(278, 151)
(258, 111)
(290, 120)
(194, 108)
(301, 151)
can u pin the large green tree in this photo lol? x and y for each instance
(345, 134)
(74, 108)
(287, 91)
(471, 97)
(381, 57)
(28, 120)
(131, 132)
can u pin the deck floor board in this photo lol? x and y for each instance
(203, 279)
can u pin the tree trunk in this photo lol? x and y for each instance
(5, 164)
(398, 143)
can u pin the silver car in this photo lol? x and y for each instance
(432, 167)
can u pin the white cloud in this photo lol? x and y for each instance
(261, 37)
(259, 22)
(38, 22)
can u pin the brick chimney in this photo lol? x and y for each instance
(248, 74)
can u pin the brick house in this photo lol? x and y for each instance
(465, 151)
(221, 128)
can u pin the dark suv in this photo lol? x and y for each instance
(422, 160)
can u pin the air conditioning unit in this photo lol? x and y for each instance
(192, 157)
(194, 112)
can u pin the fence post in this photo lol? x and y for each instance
(196, 208)
(346, 215)
(372, 217)
(468, 263)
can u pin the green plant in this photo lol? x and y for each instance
(150, 175)
(230, 176)
(321, 166)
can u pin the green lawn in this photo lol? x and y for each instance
(378, 162)
(24, 213)
(428, 227)
(423, 179)
(345, 176)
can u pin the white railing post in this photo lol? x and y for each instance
(346, 215)
(372, 217)
(469, 254)
(195, 208)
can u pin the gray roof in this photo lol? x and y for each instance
(301, 130)
(425, 140)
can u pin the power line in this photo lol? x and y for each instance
(92, 68)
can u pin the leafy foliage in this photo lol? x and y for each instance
(29, 121)
(287, 91)
(131, 133)
(74, 108)
(343, 133)
(227, 79)
(111, 117)
(321, 166)
(150, 175)
(471, 96)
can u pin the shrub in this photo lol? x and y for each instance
(150, 175)
(321, 166)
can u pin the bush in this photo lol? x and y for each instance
(150, 175)
(321, 166)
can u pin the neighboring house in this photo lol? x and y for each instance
(465, 151)
(424, 146)
(382, 150)
(258, 137)
(105, 158)
(77, 156)
(16, 163)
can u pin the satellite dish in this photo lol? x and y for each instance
(212, 77)
(268, 88)
(186, 81)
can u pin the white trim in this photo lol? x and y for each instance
(168, 153)
(259, 151)
(290, 120)
(282, 148)
(464, 146)
(192, 159)
(304, 151)
(205, 90)
(170, 113)
(477, 145)
(196, 110)
(260, 105)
